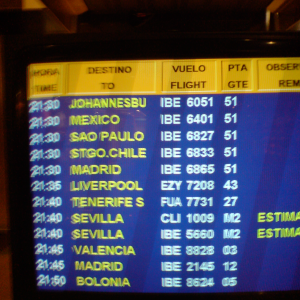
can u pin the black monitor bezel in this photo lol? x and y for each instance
(20, 51)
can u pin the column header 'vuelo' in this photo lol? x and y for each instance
(189, 76)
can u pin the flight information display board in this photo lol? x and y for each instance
(166, 175)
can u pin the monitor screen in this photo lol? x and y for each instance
(165, 175)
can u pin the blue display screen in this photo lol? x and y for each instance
(184, 193)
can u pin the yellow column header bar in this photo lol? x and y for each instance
(249, 75)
